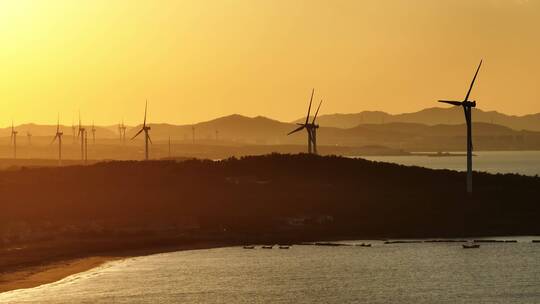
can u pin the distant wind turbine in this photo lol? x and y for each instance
(144, 128)
(14, 140)
(467, 107)
(73, 130)
(84, 143)
(29, 136)
(58, 135)
(122, 131)
(311, 128)
(93, 133)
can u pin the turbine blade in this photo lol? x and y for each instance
(137, 134)
(455, 103)
(149, 139)
(296, 130)
(54, 139)
(472, 83)
(309, 108)
(317, 112)
(145, 108)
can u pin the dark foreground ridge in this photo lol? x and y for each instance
(77, 210)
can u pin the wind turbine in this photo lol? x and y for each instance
(122, 131)
(467, 108)
(84, 144)
(93, 133)
(14, 140)
(59, 136)
(29, 136)
(311, 128)
(144, 128)
(73, 131)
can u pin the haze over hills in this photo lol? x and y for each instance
(430, 116)
(50, 130)
(237, 135)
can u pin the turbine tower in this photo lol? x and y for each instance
(144, 128)
(73, 131)
(467, 108)
(29, 136)
(14, 140)
(59, 136)
(93, 133)
(122, 131)
(311, 128)
(82, 135)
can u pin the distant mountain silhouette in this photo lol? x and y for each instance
(49, 130)
(238, 130)
(234, 127)
(430, 116)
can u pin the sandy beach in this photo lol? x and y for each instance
(44, 274)
(49, 272)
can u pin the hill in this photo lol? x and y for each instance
(256, 194)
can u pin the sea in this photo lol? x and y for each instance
(519, 162)
(383, 273)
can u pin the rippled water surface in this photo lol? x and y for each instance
(384, 273)
(522, 162)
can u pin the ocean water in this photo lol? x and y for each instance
(522, 162)
(385, 273)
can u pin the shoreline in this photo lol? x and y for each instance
(50, 272)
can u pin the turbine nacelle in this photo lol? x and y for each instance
(471, 104)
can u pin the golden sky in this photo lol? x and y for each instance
(199, 59)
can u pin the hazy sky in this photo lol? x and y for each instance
(196, 60)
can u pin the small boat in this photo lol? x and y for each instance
(330, 244)
(268, 247)
(284, 247)
(471, 246)
(363, 245)
(249, 247)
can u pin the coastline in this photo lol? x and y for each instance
(53, 271)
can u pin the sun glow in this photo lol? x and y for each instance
(196, 60)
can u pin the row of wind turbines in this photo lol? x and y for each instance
(82, 135)
(311, 127)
